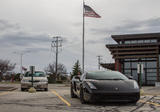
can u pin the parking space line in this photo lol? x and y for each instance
(4, 93)
(156, 104)
(65, 101)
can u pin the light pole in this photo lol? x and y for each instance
(21, 58)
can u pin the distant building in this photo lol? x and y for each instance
(132, 49)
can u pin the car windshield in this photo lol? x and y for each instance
(106, 75)
(36, 74)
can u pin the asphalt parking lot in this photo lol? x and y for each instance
(57, 99)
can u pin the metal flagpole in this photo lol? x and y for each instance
(83, 41)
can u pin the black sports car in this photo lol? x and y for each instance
(104, 86)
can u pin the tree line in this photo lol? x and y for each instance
(7, 67)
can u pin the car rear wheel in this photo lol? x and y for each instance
(22, 89)
(46, 89)
(72, 93)
(82, 96)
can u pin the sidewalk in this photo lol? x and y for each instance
(151, 90)
(7, 87)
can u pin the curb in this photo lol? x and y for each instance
(7, 88)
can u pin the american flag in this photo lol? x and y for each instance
(89, 12)
(24, 69)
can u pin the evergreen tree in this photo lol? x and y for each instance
(76, 69)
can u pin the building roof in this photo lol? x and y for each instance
(117, 38)
(130, 51)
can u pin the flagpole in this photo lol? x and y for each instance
(83, 40)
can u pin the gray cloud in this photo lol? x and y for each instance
(150, 25)
(99, 41)
(31, 50)
(23, 39)
(14, 35)
(6, 25)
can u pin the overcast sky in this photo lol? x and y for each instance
(25, 25)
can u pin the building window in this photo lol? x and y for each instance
(140, 41)
(127, 65)
(151, 64)
(154, 41)
(127, 42)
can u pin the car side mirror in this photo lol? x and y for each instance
(77, 77)
(130, 77)
(21, 77)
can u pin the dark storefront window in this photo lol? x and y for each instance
(149, 75)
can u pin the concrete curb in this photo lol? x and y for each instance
(7, 88)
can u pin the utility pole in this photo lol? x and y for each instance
(56, 43)
(99, 60)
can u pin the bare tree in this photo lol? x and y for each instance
(51, 69)
(5, 66)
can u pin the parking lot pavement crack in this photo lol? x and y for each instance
(141, 105)
(153, 108)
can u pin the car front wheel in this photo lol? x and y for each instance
(72, 93)
(82, 96)
(134, 101)
(46, 89)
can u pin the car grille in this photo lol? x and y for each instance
(34, 81)
(117, 96)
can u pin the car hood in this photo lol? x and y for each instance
(114, 85)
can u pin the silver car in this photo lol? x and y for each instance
(40, 81)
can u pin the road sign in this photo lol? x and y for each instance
(32, 69)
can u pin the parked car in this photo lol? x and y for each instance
(104, 86)
(40, 81)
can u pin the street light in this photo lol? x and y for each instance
(21, 56)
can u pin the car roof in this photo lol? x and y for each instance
(36, 71)
(100, 71)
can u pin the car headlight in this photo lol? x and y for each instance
(135, 85)
(25, 80)
(91, 85)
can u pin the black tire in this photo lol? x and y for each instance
(82, 96)
(22, 89)
(46, 89)
(134, 101)
(72, 93)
